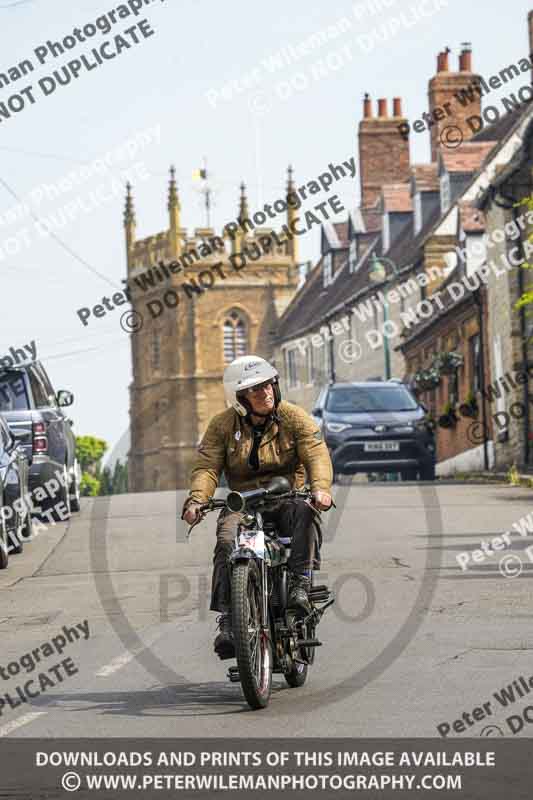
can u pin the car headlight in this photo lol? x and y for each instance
(404, 428)
(337, 427)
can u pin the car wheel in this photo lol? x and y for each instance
(427, 473)
(63, 498)
(75, 490)
(4, 555)
(16, 545)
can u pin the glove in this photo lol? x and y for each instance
(191, 513)
(322, 500)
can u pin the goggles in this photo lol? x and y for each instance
(258, 388)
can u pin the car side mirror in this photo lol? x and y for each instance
(64, 398)
(424, 408)
(316, 412)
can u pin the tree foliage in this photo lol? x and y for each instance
(95, 480)
(89, 485)
(89, 452)
(115, 482)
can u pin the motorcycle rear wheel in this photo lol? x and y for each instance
(253, 647)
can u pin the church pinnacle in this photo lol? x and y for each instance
(174, 208)
(129, 211)
(243, 204)
(173, 199)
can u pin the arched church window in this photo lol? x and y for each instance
(235, 339)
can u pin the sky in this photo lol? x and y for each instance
(230, 82)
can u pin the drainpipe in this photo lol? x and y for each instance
(478, 299)
(332, 374)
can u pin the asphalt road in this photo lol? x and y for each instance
(413, 641)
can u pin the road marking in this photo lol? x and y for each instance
(18, 723)
(124, 659)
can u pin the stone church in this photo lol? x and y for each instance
(187, 338)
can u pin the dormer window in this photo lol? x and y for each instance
(445, 196)
(352, 256)
(327, 269)
(418, 212)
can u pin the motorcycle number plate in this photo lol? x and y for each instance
(253, 541)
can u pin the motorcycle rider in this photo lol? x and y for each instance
(258, 437)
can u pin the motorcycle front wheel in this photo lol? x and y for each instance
(253, 647)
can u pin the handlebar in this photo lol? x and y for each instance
(252, 498)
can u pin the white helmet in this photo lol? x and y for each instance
(244, 373)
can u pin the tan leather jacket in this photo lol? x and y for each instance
(291, 447)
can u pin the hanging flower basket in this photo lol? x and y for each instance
(447, 363)
(426, 379)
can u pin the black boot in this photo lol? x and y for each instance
(224, 646)
(299, 594)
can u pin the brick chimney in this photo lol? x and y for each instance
(383, 153)
(442, 89)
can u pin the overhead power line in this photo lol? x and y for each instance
(60, 242)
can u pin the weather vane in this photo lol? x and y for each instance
(205, 188)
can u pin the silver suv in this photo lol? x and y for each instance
(376, 427)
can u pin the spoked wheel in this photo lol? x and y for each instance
(252, 646)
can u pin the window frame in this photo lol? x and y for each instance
(292, 370)
(235, 318)
(34, 377)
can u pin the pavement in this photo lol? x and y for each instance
(413, 642)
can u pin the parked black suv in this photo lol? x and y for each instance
(376, 426)
(34, 413)
(15, 517)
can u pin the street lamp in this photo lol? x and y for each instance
(378, 274)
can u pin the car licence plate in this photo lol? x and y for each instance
(381, 447)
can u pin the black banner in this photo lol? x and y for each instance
(321, 768)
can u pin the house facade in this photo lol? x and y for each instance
(448, 239)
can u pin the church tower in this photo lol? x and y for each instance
(196, 312)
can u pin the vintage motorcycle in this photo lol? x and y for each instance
(268, 636)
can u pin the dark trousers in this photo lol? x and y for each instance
(294, 518)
